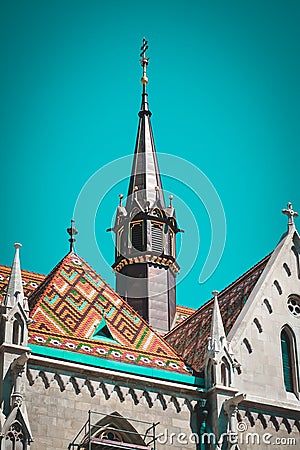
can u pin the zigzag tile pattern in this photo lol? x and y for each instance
(68, 306)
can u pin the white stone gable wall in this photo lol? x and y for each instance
(255, 337)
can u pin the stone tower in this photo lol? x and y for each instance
(145, 228)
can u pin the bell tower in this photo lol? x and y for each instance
(145, 228)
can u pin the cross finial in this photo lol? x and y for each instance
(144, 62)
(290, 213)
(72, 231)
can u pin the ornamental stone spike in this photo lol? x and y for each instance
(15, 291)
(217, 332)
(290, 213)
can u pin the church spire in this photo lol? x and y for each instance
(145, 176)
(15, 291)
(217, 332)
(145, 251)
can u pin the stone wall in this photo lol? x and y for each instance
(58, 406)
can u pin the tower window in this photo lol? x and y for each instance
(137, 236)
(288, 360)
(157, 237)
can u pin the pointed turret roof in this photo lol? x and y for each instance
(15, 287)
(217, 332)
(145, 173)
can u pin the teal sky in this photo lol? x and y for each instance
(224, 93)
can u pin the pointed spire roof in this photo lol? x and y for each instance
(15, 286)
(217, 332)
(145, 173)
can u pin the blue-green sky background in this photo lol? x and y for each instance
(224, 92)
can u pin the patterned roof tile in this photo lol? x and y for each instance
(68, 307)
(190, 337)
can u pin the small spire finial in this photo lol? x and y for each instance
(72, 231)
(144, 62)
(121, 197)
(171, 199)
(290, 213)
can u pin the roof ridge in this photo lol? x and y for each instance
(40, 289)
(220, 295)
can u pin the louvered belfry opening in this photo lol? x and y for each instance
(157, 237)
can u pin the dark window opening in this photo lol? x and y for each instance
(137, 236)
(288, 361)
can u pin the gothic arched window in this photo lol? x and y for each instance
(110, 431)
(225, 373)
(18, 330)
(15, 439)
(289, 360)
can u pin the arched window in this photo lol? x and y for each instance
(211, 376)
(289, 359)
(114, 431)
(137, 236)
(15, 439)
(18, 330)
(225, 373)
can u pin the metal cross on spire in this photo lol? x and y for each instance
(290, 213)
(72, 231)
(144, 63)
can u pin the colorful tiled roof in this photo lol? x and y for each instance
(182, 313)
(31, 280)
(190, 338)
(75, 310)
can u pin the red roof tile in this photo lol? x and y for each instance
(190, 337)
